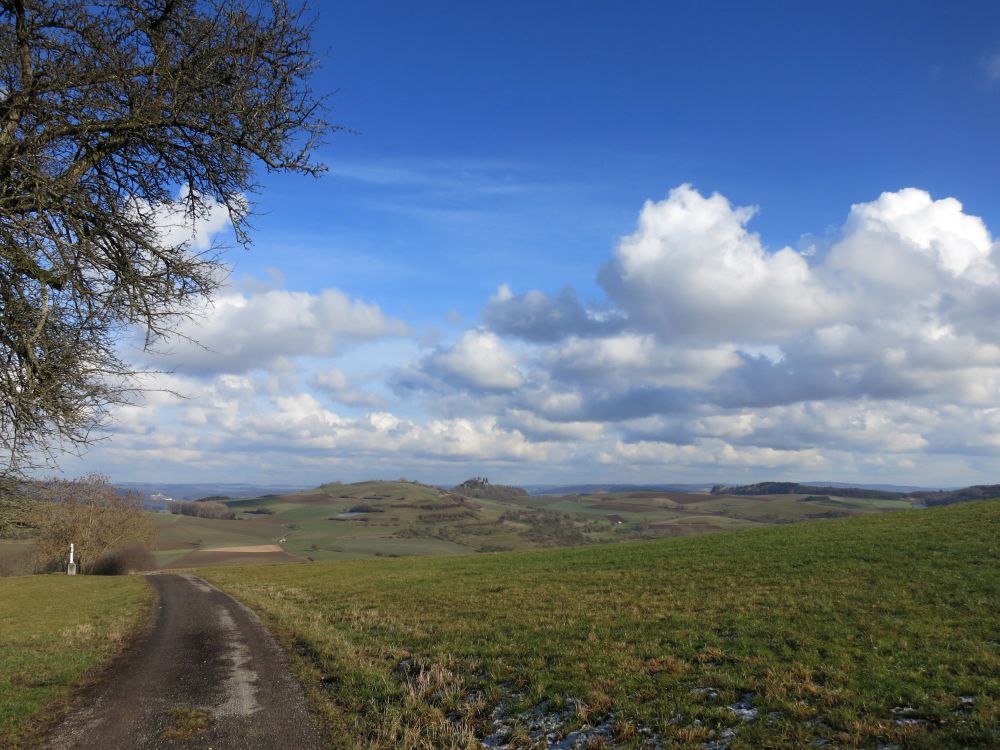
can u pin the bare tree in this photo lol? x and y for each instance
(116, 116)
(93, 515)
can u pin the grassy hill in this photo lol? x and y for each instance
(372, 519)
(880, 631)
(403, 519)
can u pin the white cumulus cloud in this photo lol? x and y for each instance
(240, 332)
(478, 360)
(693, 270)
(335, 384)
(877, 354)
(907, 239)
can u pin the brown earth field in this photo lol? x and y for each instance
(626, 507)
(684, 498)
(160, 545)
(272, 520)
(312, 498)
(233, 556)
(682, 529)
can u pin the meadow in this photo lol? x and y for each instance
(881, 631)
(55, 631)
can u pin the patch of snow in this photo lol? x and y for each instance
(744, 709)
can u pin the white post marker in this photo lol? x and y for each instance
(71, 568)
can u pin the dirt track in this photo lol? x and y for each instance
(207, 676)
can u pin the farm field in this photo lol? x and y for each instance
(53, 629)
(864, 632)
(184, 540)
(403, 519)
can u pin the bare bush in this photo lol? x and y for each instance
(14, 505)
(17, 563)
(131, 558)
(90, 513)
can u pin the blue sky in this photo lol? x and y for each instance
(588, 109)
(470, 289)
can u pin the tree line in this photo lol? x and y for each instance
(200, 509)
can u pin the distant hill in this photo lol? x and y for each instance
(591, 489)
(876, 486)
(927, 497)
(406, 518)
(588, 489)
(794, 488)
(480, 487)
(948, 497)
(157, 494)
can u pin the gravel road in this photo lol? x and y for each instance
(207, 676)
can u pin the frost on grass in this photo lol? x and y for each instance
(545, 726)
(744, 709)
(550, 726)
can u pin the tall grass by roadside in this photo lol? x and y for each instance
(869, 632)
(54, 629)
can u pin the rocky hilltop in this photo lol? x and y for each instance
(480, 487)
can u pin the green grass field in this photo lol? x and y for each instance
(53, 630)
(880, 631)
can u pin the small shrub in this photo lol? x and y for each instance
(128, 559)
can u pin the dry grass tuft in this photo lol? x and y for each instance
(187, 722)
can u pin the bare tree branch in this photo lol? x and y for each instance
(112, 114)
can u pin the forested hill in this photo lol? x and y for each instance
(929, 497)
(794, 488)
(947, 497)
